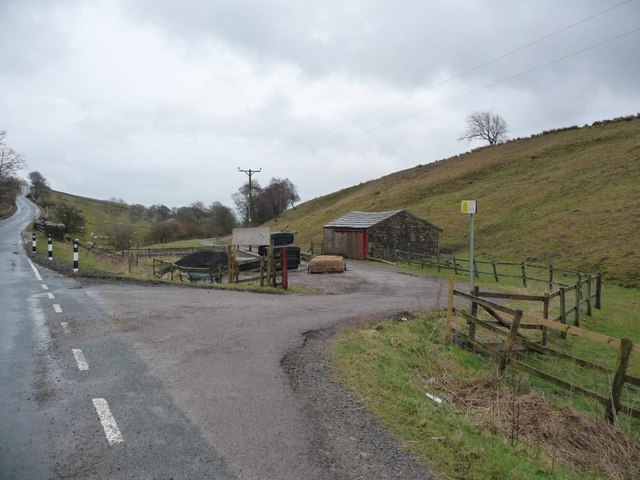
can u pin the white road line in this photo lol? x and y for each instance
(57, 308)
(109, 424)
(65, 326)
(51, 296)
(44, 287)
(35, 270)
(80, 360)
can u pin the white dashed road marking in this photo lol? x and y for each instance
(109, 424)
(80, 360)
(57, 308)
(65, 327)
(44, 287)
(51, 296)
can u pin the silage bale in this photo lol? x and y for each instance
(327, 264)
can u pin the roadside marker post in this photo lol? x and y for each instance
(75, 255)
(470, 207)
(50, 247)
(33, 242)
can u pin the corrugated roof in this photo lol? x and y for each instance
(361, 219)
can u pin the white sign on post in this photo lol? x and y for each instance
(251, 236)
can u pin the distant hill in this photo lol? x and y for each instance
(569, 197)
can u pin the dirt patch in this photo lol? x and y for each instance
(351, 444)
(510, 408)
(327, 283)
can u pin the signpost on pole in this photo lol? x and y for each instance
(470, 207)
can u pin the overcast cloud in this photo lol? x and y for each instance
(158, 101)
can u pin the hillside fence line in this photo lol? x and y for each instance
(508, 323)
(569, 289)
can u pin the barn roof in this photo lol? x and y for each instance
(369, 219)
(361, 219)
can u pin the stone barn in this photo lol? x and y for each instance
(361, 234)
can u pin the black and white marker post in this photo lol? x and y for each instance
(50, 247)
(75, 256)
(33, 242)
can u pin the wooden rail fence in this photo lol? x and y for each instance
(508, 324)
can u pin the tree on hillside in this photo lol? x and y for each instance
(10, 160)
(268, 202)
(241, 199)
(486, 126)
(158, 213)
(39, 186)
(222, 219)
(137, 212)
(71, 216)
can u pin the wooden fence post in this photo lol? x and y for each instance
(438, 260)
(545, 315)
(524, 274)
(599, 291)
(563, 309)
(577, 317)
(231, 261)
(171, 269)
(495, 270)
(550, 277)
(447, 331)
(589, 295)
(474, 313)
(455, 266)
(475, 269)
(626, 346)
(511, 340)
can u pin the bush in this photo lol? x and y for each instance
(121, 236)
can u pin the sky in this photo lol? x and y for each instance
(160, 102)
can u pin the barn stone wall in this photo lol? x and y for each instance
(403, 232)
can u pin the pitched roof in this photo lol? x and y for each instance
(361, 219)
(369, 219)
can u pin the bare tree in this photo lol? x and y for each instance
(10, 160)
(487, 126)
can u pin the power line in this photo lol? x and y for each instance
(471, 92)
(443, 82)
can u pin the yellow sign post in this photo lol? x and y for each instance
(469, 207)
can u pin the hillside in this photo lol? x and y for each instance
(571, 197)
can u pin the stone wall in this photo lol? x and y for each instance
(403, 232)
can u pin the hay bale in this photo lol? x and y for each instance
(327, 264)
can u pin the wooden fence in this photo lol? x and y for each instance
(526, 271)
(575, 290)
(270, 270)
(173, 251)
(509, 322)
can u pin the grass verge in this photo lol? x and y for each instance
(486, 427)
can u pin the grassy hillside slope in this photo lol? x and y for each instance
(571, 197)
(98, 221)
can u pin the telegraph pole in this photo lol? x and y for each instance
(250, 173)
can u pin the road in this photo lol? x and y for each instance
(121, 380)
